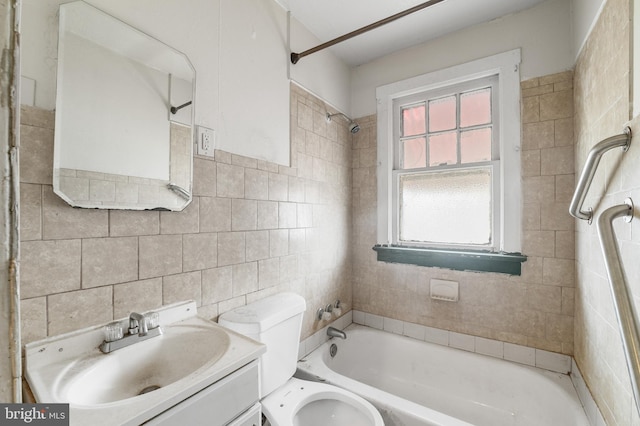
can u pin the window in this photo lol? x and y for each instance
(446, 158)
(449, 176)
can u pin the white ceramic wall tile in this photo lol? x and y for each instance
(393, 326)
(462, 341)
(349, 316)
(593, 413)
(436, 335)
(415, 331)
(520, 354)
(590, 407)
(583, 393)
(313, 341)
(358, 317)
(490, 347)
(302, 349)
(373, 321)
(553, 361)
(344, 321)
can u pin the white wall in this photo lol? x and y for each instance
(542, 32)
(322, 73)
(254, 87)
(240, 53)
(39, 48)
(188, 30)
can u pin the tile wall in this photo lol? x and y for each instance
(253, 228)
(602, 104)
(535, 309)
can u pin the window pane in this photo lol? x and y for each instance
(446, 207)
(475, 108)
(442, 114)
(443, 149)
(475, 145)
(414, 153)
(413, 120)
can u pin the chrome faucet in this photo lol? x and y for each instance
(140, 328)
(334, 332)
(138, 324)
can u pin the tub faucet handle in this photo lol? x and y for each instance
(337, 308)
(326, 316)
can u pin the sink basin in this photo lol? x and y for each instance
(132, 385)
(143, 367)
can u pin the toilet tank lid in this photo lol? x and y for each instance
(263, 314)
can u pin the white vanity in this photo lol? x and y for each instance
(194, 372)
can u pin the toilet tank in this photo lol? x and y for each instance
(275, 321)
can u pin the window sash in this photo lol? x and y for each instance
(454, 90)
(495, 239)
(398, 170)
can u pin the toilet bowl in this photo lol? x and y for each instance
(276, 321)
(304, 403)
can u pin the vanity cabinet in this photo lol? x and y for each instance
(251, 417)
(232, 401)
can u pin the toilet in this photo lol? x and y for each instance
(276, 321)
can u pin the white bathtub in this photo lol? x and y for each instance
(417, 383)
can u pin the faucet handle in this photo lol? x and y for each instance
(153, 320)
(113, 332)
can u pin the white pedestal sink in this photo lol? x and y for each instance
(135, 383)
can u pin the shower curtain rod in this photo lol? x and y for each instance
(295, 57)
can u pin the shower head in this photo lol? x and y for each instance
(353, 126)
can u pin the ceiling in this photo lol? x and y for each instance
(329, 19)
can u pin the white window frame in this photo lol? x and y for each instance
(506, 66)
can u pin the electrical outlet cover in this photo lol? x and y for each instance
(205, 141)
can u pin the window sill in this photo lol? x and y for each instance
(460, 260)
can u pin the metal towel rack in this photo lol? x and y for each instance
(620, 291)
(589, 170)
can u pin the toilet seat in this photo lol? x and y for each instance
(304, 403)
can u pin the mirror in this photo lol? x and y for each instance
(124, 115)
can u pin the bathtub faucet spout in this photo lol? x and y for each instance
(334, 332)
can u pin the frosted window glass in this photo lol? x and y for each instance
(475, 145)
(442, 114)
(475, 108)
(446, 207)
(414, 153)
(413, 120)
(443, 149)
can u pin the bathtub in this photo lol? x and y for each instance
(416, 383)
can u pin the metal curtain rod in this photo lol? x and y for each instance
(295, 57)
